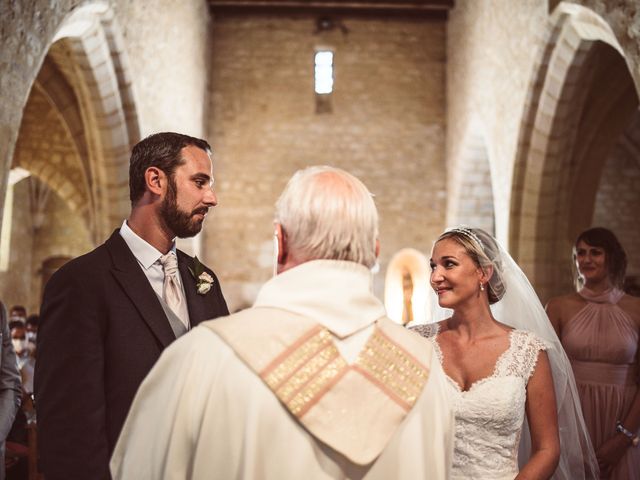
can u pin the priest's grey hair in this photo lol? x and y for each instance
(327, 213)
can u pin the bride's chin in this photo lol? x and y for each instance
(445, 304)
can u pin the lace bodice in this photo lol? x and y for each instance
(490, 415)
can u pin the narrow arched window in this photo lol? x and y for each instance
(323, 75)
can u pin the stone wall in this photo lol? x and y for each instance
(168, 49)
(15, 283)
(494, 51)
(491, 48)
(386, 127)
(63, 233)
(618, 198)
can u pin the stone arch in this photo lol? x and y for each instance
(471, 200)
(104, 90)
(415, 264)
(96, 106)
(567, 130)
(51, 83)
(46, 149)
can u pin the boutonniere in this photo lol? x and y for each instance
(204, 281)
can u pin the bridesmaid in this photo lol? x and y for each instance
(598, 327)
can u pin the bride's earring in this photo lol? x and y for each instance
(481, 287)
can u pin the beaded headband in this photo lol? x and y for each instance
(467, 233)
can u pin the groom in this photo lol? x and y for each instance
(107, 316)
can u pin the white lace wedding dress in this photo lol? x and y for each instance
(489, 416)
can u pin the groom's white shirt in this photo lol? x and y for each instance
(148, 258)
(203, 413)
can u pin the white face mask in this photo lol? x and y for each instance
(19, 344)
(31, 336)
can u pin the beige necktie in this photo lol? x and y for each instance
(172, 291)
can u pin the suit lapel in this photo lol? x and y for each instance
(195, 302)
(135, 284)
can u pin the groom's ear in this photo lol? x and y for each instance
(155, 180)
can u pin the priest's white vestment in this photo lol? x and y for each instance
(313, 382)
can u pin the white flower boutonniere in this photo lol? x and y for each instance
(204, 281)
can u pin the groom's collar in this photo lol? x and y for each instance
(145, 253)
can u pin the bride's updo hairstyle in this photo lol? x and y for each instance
(483, 250)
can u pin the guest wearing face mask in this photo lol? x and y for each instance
(18, 438)
(26, 363)
(32, 333)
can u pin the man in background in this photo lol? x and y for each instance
(26, 361)
(10, 392)
(313, 381)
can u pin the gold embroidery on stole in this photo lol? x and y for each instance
(393, 369)
(305, 371)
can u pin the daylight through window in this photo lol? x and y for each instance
(324, 72)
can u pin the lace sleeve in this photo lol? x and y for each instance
(428, 330)
(525, 354)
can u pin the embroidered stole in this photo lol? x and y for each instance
(355, 409)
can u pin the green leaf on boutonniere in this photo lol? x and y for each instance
(197, 269)
(204, 281)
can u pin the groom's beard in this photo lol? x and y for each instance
(181, 223)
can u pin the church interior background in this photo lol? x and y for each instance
(517, 117)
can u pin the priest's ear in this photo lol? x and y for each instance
(281, 247)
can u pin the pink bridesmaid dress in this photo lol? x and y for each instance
(601, 341)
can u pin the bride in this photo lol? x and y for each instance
(502, 370)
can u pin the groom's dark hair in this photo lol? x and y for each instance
(160, 150)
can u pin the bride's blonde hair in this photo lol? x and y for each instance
(483, 250)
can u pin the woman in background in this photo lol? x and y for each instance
(598, 326)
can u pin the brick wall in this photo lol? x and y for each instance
(618, 198)
(15, 283)
(386, 127)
